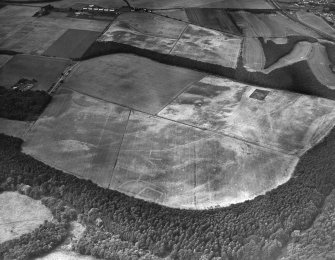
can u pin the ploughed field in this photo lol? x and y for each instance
(45, 70)
(189, 141)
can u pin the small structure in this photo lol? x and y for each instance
(259, 94)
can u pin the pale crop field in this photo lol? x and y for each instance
(282, 121)
(150, 157)
(269, 25)
(315, 22)
(173, 37)
(206, 45)
(20, 214)
(181, 166)
(253, 54)
(79, 135)
(320, 65)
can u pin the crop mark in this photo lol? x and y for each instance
(118, 151)
(179, 93)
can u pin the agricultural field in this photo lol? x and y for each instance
(300, 52)
(150, 157)
(32, 35)
(253, 55)
(20, 214)
(276, 48)
(79, 135)
(176, 13)
(4, 59)
(146, 31)
(154, 25)
(176, 38)
(316, 22)
(320, 65)
(330, 49)
(267, 55)
(65, 255)
(269, 25)
(132, 157)
(43, 69)
(209, 46)
(252, 4)
(217, 19)
(181, 166)
(72, 44)
(279, 120)
(157, 4)
(315, 54)
(12, 18)
(14, 127)
(131, 81)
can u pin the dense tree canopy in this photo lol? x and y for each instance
(22, 105)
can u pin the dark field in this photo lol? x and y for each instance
(72, 44)
(274, 51)
(23, 33)
(217, 19)
(45, 70)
